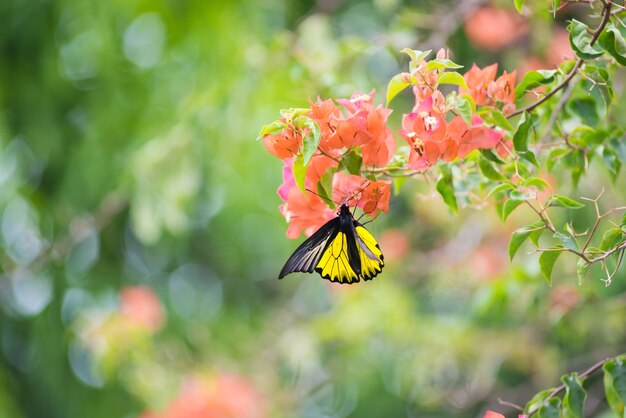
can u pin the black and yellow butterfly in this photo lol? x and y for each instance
(342, 250)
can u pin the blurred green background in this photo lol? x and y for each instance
(140, 237)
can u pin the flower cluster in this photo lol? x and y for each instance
(355, 127)
(338, 149)
(429, 130)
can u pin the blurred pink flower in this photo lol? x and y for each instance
(494, 28)
(225, 396)
(141, 306)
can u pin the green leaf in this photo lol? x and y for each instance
(501, 121)
(416, 56)
(271, 128)
(445, 187)
(452, 77)
(325, 185)
(533, 79)
(312, 140)
(519, 4)
(534, 237)
(352, 162)
(509, 206)
(520, 138)
(574, 398)
(581, 270)
(585, 108)
(489, 170)
(299, 171)
(550, 409)
(555, 155)
(439, 63)
(464, 105)
(520, 235)
(612, 41)
(537, 182)
(580, 40)
(564, 202)
(397, 83)
(611, 238)
(500, 188)
(612, 163)
(398, 182)
(566, 240)
(615, 384)
(555, 6)
(537, 400)
(491, 156)
(546, 262)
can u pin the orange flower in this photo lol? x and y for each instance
(304, 213)
(491, 414)
(368, 195)
(141, 306)
(503, 89)
(283, 145)
(478, 82)
(469, 139)
(425, 133)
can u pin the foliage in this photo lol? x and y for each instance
(140, 242)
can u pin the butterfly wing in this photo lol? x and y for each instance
(370, 256)
(308, 254)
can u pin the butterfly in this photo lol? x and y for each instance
(342, 250)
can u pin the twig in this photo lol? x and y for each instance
(606, 16)
(561, 388)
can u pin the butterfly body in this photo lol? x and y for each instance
(342, 250)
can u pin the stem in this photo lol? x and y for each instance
(606, 16)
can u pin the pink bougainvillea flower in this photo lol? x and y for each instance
(350, 132)
(225, 396)
(491, 414)
(289, 182)
(317, 168)
(503, 89)
(141, 306)
(478, 81)
(425, 133)
(368, 195)
(284, 144)
(476, 137)
(304, 213)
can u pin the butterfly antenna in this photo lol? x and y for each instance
(323, 197)
(371, 220)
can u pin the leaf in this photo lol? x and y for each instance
(352, 162)
(299, 171)
(609, 156)
(398, 182)
(489, 170)
(271, 128)
(520, 138)
(566, 240)
(554, 156)
(416, 56)
(445, 187)
(312, 140)
(546, 262)
(501, 121)
(534, 237)
(612, 41)
(555, 6)
(500, 188)
(397, 83)
(439, 63)
(464, 105)
(491, 156)
(611, 238)
(581, 270)
(574, 398)
(533, 79)
(509, 206)
(452, 77)
(550, 409)
(535, 403)
(585, 108)
(580, 40)
(520, 235)
(519, 4)
(615, 384)
(537, 182)
(564, 202)
(325, 185)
